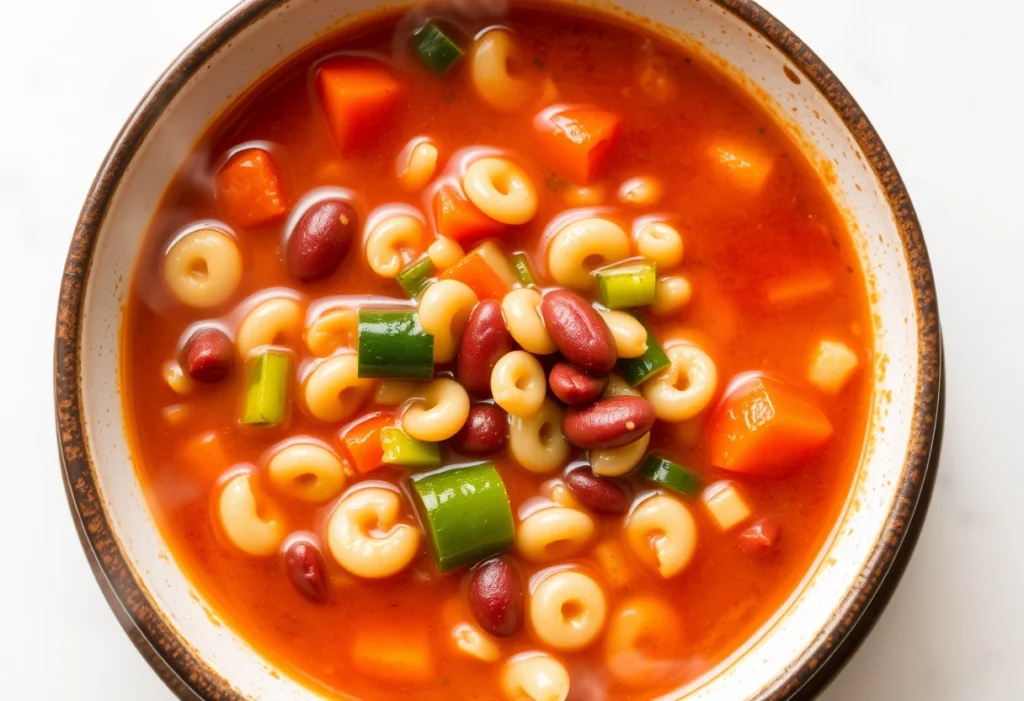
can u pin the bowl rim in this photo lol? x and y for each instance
(182, 668)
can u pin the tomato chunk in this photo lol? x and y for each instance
(577, 140)
(458, 218)
(362, 439)
(358, 96)
(250, 189)
(763, 427)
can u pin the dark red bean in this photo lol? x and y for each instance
(209, 355)
(597, 493)
(484, 432)
(609, 423)
(484, 340)
(761, 537)
(321, 239)
(305, 566)
(578, 330)
(574, 386)
(496, 597)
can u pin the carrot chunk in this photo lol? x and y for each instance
(484, 270)
(358, 96)
(762, 427)
(250, 189)
(576, 141)
(362, 440)
(459, 219)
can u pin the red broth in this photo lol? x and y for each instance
(772, 272)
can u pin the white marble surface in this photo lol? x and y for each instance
(937, 78)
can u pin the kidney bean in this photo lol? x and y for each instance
(761, 537)
(609, 423)
(496, 597)
(597, 493)
(484, 341)
(321, 239)
(484, 432)
(574, 386)
(305, 567)
(209, 355)
(578, 330)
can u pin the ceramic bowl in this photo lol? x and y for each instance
(798, 651)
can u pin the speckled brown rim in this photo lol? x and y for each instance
(191, 678)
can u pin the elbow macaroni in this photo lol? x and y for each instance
(334, 390)
(691, 365)
(583, 245)
(536, 442)
(567, 610)
(629, 334)
(518, 384)
(393, 243)
(534, 677)
(242, 523)
(332, 330)
(365, 537)
(501, 189)
(444, 310)
(615, 462)
(642, 191)
(660, 243)
(307, 471)
(489, 70)
(176, 379)
(444, 253)
(203, 268)
(417, 164)
(672, 295)
(641, 642)
(521, 309)
(473, 642)
(275, 322)
(554, 533)
(440, 414)
(662, 534)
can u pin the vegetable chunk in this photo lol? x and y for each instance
(358, 96)
(577, 140)
(250, 189)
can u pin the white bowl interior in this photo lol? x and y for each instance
(716, 33)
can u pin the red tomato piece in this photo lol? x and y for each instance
(458, 218)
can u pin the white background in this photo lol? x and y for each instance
(941, 81)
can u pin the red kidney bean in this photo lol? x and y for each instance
(484, 341)
(209, 355)
(321, 239)
(496, 597)
(305, 566)
(574, 386)
(597, 493)
(484, 432)
(761, 537)
(609, 423)
(579, 332)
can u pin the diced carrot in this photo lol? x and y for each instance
(762, 427)
(204, 454)
(475, 271)
(746, 167)
(576, 141)
(459, 219)
(795, 289)
(362, 439)
(250, 189)
(358, 95)
(403, 656)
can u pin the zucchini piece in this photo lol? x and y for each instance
(665, 473)
(416, 277)
(402, 449)
(466, 513)
(627, 285)
(266, 395)
(638, 370)
(522, 268)
(392, 344)
(436, 49)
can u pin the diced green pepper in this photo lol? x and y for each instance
(627, 285)
(435, 48)
(636, 371)
(402, 449)
(416, 277)
(466, 512)
(392, 344)
(522, 268)
(666, 473)
(266, 396)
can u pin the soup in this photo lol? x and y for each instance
(512, 357)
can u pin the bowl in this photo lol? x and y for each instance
(814, 632)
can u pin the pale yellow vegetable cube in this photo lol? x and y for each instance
(831, 366)
(746, 167)
(726, 505)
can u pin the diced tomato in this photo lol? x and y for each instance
(576, 141)
(480, 274)
(250, 189)
(362, 439)
(458, 218)
(358, 95)
(763, 427)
